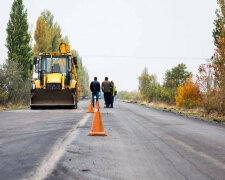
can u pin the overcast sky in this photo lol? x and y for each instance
(118, 38)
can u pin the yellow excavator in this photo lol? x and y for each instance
(57, 83)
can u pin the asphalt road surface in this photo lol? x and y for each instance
(142, 143)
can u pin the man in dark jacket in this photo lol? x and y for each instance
(107, 93)
(95, 89)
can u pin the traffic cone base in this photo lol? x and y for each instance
(97, 134)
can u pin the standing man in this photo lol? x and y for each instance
(95, 89)
(106, 90)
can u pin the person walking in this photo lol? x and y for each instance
(95, 89)
(113, 93)
(106, 90)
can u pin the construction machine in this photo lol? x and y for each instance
(57, 83)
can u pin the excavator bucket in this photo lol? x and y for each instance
(51, 98)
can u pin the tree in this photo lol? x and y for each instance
(188, 95)
(40, 36)
(133, 95)
(82, 75)
(48, 17)
(12, 87)
(66, 40)
(219, 57)
(18, 38)
(55, 38)
(53, 31)
(208, 85)
(148, 87)
(3, 93)
(47, 34)
(175, 77)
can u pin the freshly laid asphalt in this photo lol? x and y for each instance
(142, 143)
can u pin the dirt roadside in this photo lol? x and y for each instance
(192, 113)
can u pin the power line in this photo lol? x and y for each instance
(137, 57)
(141, 57)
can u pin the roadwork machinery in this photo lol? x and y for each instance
(57, 83)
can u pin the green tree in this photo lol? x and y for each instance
(219, 57)
(173, 78)
(12, 87)
(148, 87)
(133, 95)
(176, 76)
(18, 38)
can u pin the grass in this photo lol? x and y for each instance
(197, 113)
(10, 106)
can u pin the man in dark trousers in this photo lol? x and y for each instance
(106, 90)
(95, 89)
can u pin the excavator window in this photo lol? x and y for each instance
(56, 68)
(46, 64)
(51, 64)
(61, 61)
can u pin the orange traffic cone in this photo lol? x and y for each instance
(97, 105)
(97, 126)
(91, 109)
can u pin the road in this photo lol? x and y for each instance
(142, 143)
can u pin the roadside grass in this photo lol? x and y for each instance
(197, 113)
(10, 106)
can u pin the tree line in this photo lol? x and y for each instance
(179, 87)
(15, 74)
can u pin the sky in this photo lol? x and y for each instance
(118, 38)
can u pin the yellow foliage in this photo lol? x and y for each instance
(40, 36)
(188, 95)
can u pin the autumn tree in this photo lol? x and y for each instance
(18, 38)
(208, 85)
(48, 17)
(173, 78)
(188, 95)
(40, 36)
(47, 34)
(219, 57)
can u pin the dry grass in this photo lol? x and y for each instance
(198, 113)
(11, 106)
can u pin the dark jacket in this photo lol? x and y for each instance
(95, 86)
(106, 86)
